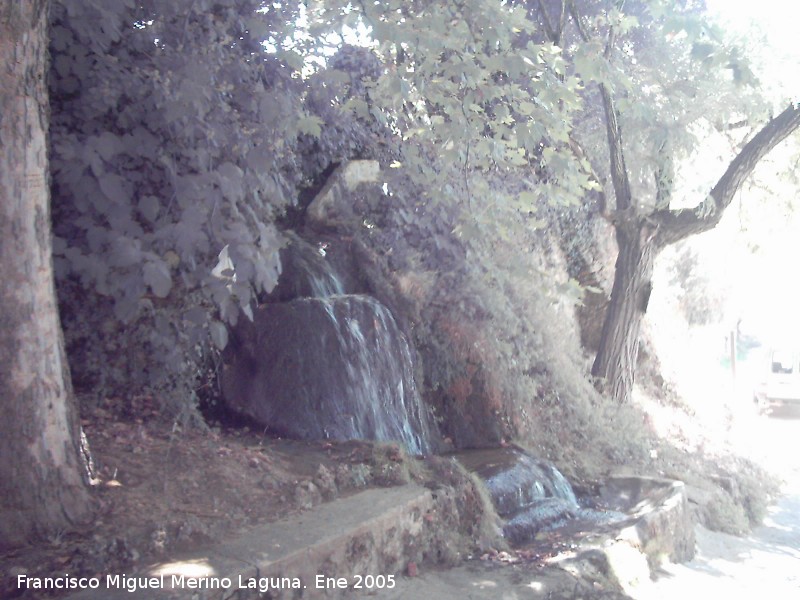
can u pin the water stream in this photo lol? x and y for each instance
(530, 494)
(324, 361)
(378, 397)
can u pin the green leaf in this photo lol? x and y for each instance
(107, 145)
(527, 199)
(114, 188)
(219, 334)
(148, 207)
(293, 59)
(358, 106)
(310, 125)
(196, 315)
(526, 108)
(157, 276)
(247, 309)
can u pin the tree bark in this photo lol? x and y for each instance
(641, 238)
(42, 474)
(615, 363)
(675, 225)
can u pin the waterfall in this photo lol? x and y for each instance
(380, 394)
(327, 364)
(516, 480)
(324, 282)
(307, 272)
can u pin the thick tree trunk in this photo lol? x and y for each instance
(615, 362)
(42, 483)
(640, 238)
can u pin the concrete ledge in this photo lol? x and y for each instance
(343, 542)
(660, 529)
(663, 528)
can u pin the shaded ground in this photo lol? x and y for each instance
(159, 490)
(481, 581)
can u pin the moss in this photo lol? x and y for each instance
(474, 521)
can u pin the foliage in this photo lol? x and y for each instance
(498, 342)
(741, 498)
(171, 136)
(635, 86)
(165, 150)
(185, 129)
(675, 77)
(177, 135)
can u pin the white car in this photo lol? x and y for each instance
(780, 385)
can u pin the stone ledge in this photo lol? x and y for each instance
(663, 528)
(370, 533)
(660, 529)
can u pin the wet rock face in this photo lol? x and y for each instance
(335, 367)
(315, 270)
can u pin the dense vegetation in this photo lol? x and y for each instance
(188, 130)
(180, 129)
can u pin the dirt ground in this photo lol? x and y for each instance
(160, 489)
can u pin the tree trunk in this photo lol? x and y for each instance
(42, 483)
(641, 238)
(615, 362)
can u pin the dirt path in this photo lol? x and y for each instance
(767, 563)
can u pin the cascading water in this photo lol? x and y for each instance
(307, 272)
(530, 494)
(321, 278)
(381, 395)
(332, 365)
(320, 361)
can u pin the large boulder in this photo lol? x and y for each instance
(336, 367)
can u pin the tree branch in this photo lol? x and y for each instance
(548, 27)
(576, 19)
(675, 225)
(562, 19)
(664, 176)
(578, 152)
(619, 172)
(554, 33)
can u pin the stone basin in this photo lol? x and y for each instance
(647, 516)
